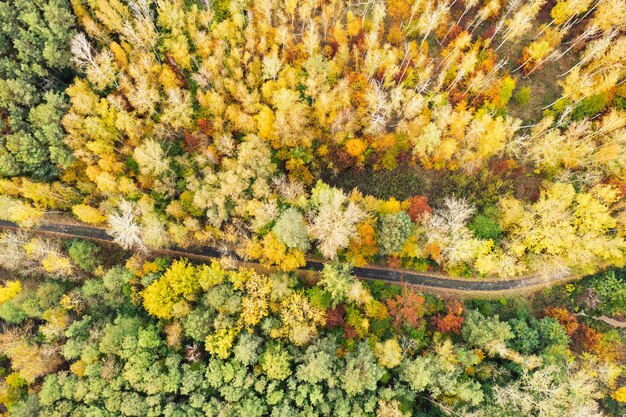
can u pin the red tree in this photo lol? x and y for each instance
(419, 207)
(452, 321)
(406, 308)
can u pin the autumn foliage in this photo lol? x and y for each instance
(406, 308)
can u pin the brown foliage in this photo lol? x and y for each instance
(192, 141)
(452, 34)
(565, 318)
(171, 62)
(393, 262)
(349, 332)
(32, 361)
(502, 166)
(586, 338)
(611, 350)
(174, 334)
(335, 316)
(450, 323)
(342, 160)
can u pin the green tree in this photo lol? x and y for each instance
(395, 229)
(86, 254)
(611, 288)
(486, 225)
(318, 362)
(34, 69)
(361, 372)
(276, 362)
(291, 229)
(416, 372)
(336, 280)
(526, 338)
(485, 332)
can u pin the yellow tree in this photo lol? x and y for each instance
(24, 214)
(564, 230)
(300, 319)
(9, 290)
(168, 296)
(88, 214)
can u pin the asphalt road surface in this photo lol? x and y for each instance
(424, 280)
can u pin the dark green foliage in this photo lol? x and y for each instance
(551, 333)
(613, 407)
(590, 106)
(611, 288)
(85, 254)
(481, 190)
(526, 337)
(486, 225)
(382, 290)
(401, 183)
(221, 10)
(34, 70)
(121, 361)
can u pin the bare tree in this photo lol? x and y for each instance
(124, 227)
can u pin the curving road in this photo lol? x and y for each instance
(433, 282)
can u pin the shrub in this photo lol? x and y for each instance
(523, 95)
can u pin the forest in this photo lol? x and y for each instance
(465, 140)
(136, 336)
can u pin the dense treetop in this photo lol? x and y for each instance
(161, 337)
(215, 122)
(476, 138)
(34, 72)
